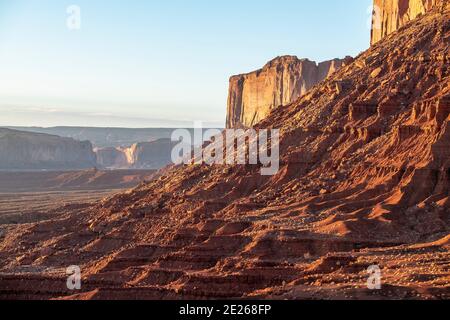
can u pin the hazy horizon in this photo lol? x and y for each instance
(155, 63)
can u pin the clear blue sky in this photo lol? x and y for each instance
(151, 62)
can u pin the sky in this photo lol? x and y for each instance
(155, 63)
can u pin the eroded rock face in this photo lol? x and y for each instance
(110, 157)
(22, 150)
(390, 15)
(280, 82)
(150, 155)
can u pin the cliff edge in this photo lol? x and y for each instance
(280, 82)
(390, 15)
(31, 151)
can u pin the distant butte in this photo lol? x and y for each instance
(390, 15)
(280, 82)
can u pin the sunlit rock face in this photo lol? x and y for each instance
(364, 178)
(34, 151)
(280, 82)
(142, 155)
(390, 15)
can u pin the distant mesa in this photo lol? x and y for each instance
(280, 82)
(29, 151)
(104, 137)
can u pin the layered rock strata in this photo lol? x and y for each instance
(142, 155)
(281, 81)
(390, 15)
(27, 151)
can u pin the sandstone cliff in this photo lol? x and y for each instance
(364, 180)
(281, 81)
(104, 137)
(23, 150)
(100, 181)
(110, 157)
(142, 155)
(390, 15)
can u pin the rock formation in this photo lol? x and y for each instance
(363, 181)
(23, 150)
(104, 137)
(41, 181)
(281, 81)
(142, 155)
(151, 155)
(390, 15)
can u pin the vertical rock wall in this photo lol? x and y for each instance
(390, 15)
